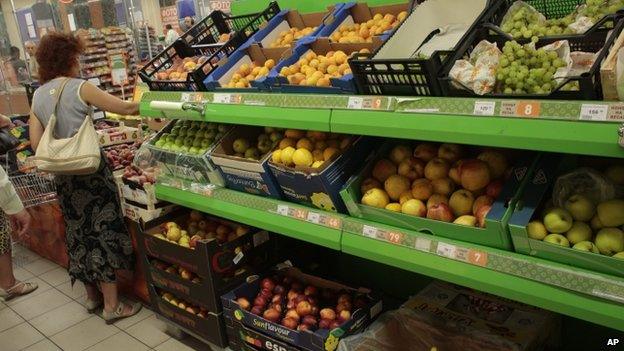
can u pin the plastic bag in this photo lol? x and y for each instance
(446, 40)
(583, 181)
(479, 72)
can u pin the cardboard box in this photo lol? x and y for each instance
(359, 12)
(321, 187)
(521, 327)
(240, 336)
(209, 330)
(494, 234)
(219, 266)
(250, 176)
(536, 196)
(320, 46)
(287, 19)
(608, 72)
(143, 194)
(140, 213)
(319, 340)
(118, 135)
(247, 54)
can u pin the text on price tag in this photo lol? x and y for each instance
(367, 103)
(528, 108)
(484, 108)
(221, 98)
(446, 250)
(594, 112)
(369, 231)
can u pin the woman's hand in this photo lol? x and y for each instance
(5, 122)
(21, 224)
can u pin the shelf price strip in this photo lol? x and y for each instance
(221, 98)
(314, 217)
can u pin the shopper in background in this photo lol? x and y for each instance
(19, 66)
(187, 23)
(98, 243)
(12, 209)
(171, 35)
(33, 67)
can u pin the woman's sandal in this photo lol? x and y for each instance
(19, 289)
(94, 305)
(118, 313)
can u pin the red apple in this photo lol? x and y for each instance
(494, 188)
(293, 314)
(425, 151)
(440, 212)
(277, 307)
(344, 315)
(260, 301)
(325, 323)
(310, 320)
(342, 306)
(292, 294)
(279, 289)
(411, 168)
(266, 293)
(436, 169)
(497, 162)
(481, 214)
(422, 189)
(310, 290)
(303, 327)
(267, 283)
(474, 174)
(383, 169)
(481, 201)
(344, 298)
(328, 313)
(290, 323)
(243, 303)
(450, 152)
(271, 315)
(304, 308)
(257, 310)
(277, 299)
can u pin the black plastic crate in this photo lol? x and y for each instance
(203, 40)
(407, 77)
(551, 9)
(589, 84)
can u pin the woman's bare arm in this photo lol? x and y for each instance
(107, 102)
(35, 131)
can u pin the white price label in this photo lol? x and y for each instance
(355, 103)
(484, 108)
(314, 217)
(238, 257)
(369, 231)
(282, 210)
(220, 98)
(186, 97)
(446, 250)
(422, 244)
(594, 112)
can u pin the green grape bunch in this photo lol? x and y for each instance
(524, 22)
(522, 69)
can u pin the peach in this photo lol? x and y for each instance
(422, 189)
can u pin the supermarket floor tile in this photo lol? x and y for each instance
(60, 318)
(75, 292)
(43, 287)
(9, 319)
(119, 341)
(19, 337)
(43, 345)
(40, 266)
(150, 331)
(56, 276)
(40, 304)
(84, 334)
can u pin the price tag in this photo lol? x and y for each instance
(355, 103)
(282, 210)
(334, 222)
(484, 108)
(446, 250)
(394, 237)
(369, 231)
(478, 258)
(423, 244)
(220, 98)
(314, 217)
(528, 109)
(300, 214)
(364, 103)
(594, 112)
(238, 257)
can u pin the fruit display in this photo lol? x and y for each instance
(177, 270)
(198, 311)
(140, 176)
(524, 21)
(187, 232)
(247, 73)
(364, 32)
(288, 37)
(265, 142)
(583, 223)
(190, 137)
(308, 149)
(317, 70)
(447, 182)
(180, 68)
(121, 155)
(303, 307)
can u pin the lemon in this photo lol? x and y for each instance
(277, 156)
(287, 155)
(303, 157)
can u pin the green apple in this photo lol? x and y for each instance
(616, 174)
(184, 148)
(619, 255)
(580, 207)
(191, 132)
(209, 134)
(160, 142)
(611, 212)
(580, 231)
(557, 239)
(252, 153)
(194, 150)
(222, 128)
(179, 141)
(240, 145)
(558, 221)
(596, 224)
(536, 230)
(467, 220)
(586, 246)
(610, 241)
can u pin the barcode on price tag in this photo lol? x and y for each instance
(282, 210)
(369, 231)
(314, 217)
(594, 112)
(484, 108)
(355, 103)
(423, 244)
(446, 250)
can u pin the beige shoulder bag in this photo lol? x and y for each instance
(78, 155)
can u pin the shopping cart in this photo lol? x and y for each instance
(32, 186)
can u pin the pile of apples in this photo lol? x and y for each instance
(364, 32)
(180, 69)
(583, 224)
(288, 37)
(192, 138)
(265, 143)
(122, 155)
(174, 269)
(309, 149)
(286, 301)
(247, 73)
(140, 176)
(445, 182)
(317, 70)
(200, 228)
(198, 311)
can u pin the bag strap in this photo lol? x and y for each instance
(59, 93)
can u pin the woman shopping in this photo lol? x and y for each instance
(98, 243)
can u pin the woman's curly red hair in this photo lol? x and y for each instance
(57, 54)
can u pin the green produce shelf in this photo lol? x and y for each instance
(288, 219)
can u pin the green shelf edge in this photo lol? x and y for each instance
(542, 295)
(239, 212)
(578, 137)
(280, 117)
